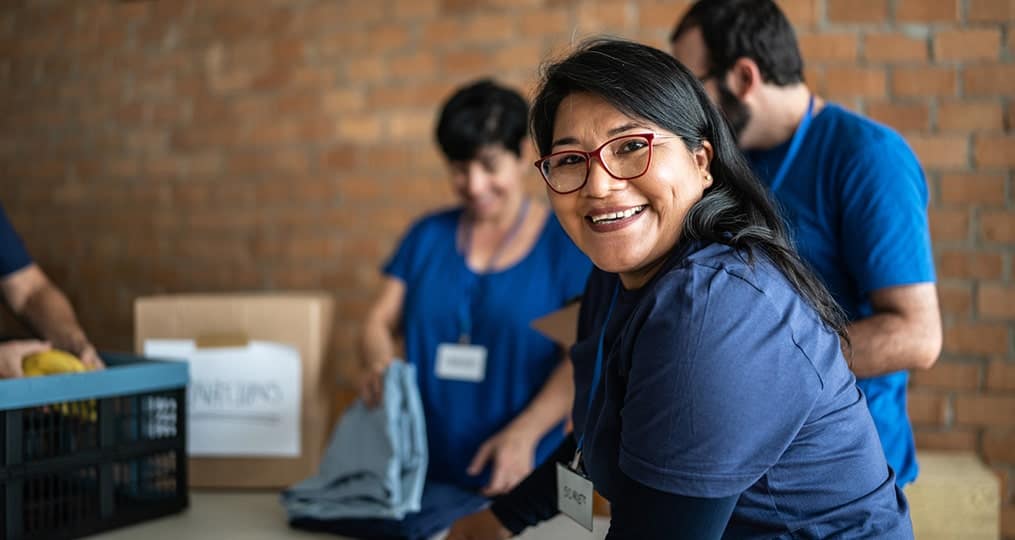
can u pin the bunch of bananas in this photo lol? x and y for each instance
(51, 362)
(54, 362)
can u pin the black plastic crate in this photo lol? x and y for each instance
(75, 467)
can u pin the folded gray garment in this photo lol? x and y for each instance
(375, 465)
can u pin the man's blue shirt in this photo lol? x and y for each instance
(855, 199)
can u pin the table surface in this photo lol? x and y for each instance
(259, 516)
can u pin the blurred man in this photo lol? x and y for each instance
(851, 190)
(35, 300)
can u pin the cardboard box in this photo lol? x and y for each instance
(561, 326)
(301, 320)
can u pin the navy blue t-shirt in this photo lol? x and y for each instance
(13, 255)
(718, 379)
(856, 199)
(461, 415)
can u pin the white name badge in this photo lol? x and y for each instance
(461, 362)
(574, 496)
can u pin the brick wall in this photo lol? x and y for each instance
(213, 145)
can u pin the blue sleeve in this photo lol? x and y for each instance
(13, 255)
(406, 257)
(884, 226)
(638, 511)
(717, 388)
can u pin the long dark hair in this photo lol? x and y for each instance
(646, 83)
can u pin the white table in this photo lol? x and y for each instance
(220, 515)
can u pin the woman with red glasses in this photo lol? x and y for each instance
(712, 399)
(461, 292)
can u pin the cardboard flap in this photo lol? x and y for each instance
(561, 326)
(222, 340)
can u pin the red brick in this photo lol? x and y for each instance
(941, 151)
(996, 302)
(801, 13)
(387, 37)
(998, 227)
(980, 44)
(927, 408)
(897, 47)
(470, 63)
(365, 69)
(826, 47)
(342, 100)
(851, 81)
(521, 56)
(1001, 376)
(995, 151)
(927, 11)
(1009, 119)
(970, 116)
(548, 21)
(360, 128)
(604, 16)
(414, 10)
(487, 28)
(970, 265)
(946, 375)
(411, 126)
(955, 299)
(989, 80)
(416, 65)
(440, 32)
(973, 189)
(661, 15)
(984, 410)
(901, 116)
(924, 81)
(976, 338)
(991, 11)
(951, 440)
(857, 11)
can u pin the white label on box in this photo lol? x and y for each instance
(241, 401)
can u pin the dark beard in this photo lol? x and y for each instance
(737, 114)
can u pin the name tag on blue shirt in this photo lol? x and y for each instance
(574, 496)
(459, 362)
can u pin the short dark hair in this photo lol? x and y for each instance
(480, 114)
(755, 29)
(648, 84)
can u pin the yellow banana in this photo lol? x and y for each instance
(51, 362)
(54, 362)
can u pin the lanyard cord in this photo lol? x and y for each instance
(794, 146)
(465, 311)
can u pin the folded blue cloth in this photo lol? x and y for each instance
(442, 505)
(375, 464)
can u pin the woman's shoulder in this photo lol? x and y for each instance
(435, 222)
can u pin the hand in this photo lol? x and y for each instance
(482, 525)
(371, 384)
(13, 352)
(513, 454)
(90, 357)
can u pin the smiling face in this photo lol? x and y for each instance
(490, 184)
(626, 226)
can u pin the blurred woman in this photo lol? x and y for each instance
(462, 289)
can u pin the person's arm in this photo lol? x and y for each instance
(643, 513)
(886, 249)
(34, 298)
(903, 333)
(512, 449)
(377, 339)
(531, 501)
